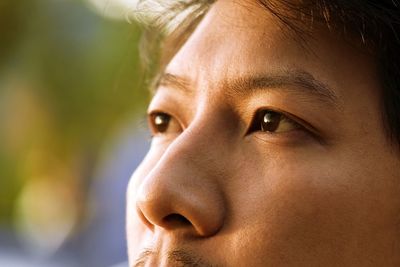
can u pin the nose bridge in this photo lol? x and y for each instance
(182, 190)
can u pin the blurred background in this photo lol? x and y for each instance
(72, 105)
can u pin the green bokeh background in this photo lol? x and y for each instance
(68, 78)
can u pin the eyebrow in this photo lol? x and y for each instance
(173, 81)
(296, 81)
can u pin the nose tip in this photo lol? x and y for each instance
(173, 202)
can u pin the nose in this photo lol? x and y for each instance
(182, 192)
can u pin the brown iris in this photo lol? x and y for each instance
(160, 122)
(270, 121)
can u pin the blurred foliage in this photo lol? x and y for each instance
(68, 78)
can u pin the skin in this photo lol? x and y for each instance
(216, 190)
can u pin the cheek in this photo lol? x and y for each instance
(299, 207)
(284, 195)
(287, 217)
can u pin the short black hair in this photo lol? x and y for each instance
(374, 24)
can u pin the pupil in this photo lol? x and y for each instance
(270, 121)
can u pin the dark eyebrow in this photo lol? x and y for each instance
(299, 82)
(296, 81)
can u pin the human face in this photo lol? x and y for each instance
(265, 153)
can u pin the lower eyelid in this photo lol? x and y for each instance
(297, 136)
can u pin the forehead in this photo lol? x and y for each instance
(228, 36)
(240, 38)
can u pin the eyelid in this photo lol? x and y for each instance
(163, 102)
(306, 127)
(303, 124)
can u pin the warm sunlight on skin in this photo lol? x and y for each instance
(265, 154)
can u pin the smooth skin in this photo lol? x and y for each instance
(222, 187)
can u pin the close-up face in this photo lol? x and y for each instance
(265, 151)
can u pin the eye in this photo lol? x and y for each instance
(163, 123)
(272, 122)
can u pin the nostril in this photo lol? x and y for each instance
(176, 220)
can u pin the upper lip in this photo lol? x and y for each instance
(177, 257)
(144, 257)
